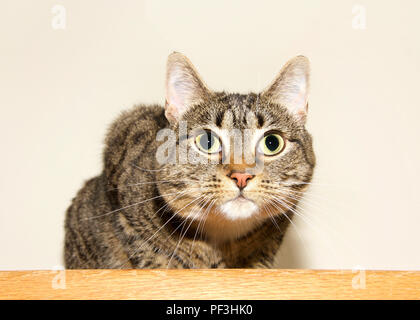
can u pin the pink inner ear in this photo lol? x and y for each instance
(170, 112)
(176, 102)
(174, 99)
(183, 86)
(296, 101)
(295, 98)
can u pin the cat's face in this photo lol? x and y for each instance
(237, 156)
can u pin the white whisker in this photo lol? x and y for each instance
(182, 235)
(145, 242)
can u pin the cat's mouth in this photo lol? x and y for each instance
(239, 207)
(241, 197)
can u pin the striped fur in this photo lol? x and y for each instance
(130, 216)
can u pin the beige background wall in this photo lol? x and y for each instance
(60, 89)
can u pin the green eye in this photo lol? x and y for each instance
(271, 144)
(208, 142)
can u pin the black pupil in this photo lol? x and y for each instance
(207, 141)
(272, 143)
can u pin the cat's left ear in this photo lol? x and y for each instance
(291, 87)
(184, 86)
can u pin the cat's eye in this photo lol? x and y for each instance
(208, 142)
(271, 144)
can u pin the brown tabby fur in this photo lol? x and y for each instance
(129, 217)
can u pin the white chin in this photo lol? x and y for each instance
(238, 209)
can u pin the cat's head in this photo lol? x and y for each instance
(213, 176)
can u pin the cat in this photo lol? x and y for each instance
(141, 212)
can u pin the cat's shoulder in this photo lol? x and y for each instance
(145, 114)
(137, 120)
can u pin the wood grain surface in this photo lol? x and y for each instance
(209, 284)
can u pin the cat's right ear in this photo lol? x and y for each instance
(184, 86)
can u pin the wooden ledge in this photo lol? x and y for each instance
(209, 284)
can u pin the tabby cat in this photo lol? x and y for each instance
(174, 192)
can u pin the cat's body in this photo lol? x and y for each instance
(140, 213)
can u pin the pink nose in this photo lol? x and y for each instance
(241, 178)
